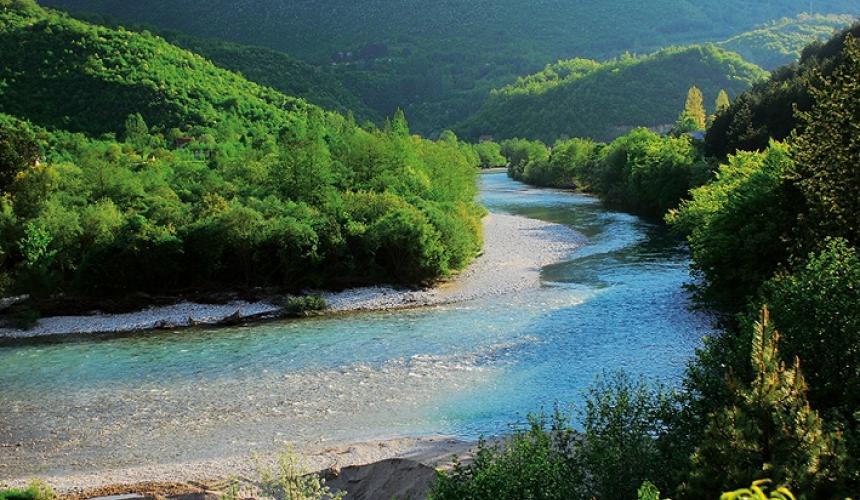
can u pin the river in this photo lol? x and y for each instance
(463, 370)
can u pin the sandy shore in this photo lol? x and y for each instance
(515, 250)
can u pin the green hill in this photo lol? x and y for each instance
(128, 164)
(780, 42)
(62, 73)
(768, 110)
(585, 98)
(439, 60)
(318, 85)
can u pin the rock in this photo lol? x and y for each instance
(393, 478)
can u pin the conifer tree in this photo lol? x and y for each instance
(722, 101)
(770, 431)
(827, 150)
(693, 117)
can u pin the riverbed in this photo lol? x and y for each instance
(170, 401)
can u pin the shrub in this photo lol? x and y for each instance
(36, 490)
(303, 305)
(289, 480)
(535, 462)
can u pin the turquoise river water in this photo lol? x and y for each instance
(463, 370)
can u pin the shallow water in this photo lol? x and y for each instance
(464, 370)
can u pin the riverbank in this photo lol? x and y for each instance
(515, 248)
(435, 452)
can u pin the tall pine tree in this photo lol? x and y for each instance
(770, 431)
(693, 117)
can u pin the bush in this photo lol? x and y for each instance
(36, 490)
(289, 480)
(535, 462)
(619, 448)
(303, 305)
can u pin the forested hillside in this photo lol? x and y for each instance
(438, 60)
(768, 110)
(585, 98)
(129, 164)
(780, 42)
(318, 84)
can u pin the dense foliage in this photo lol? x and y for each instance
(157, 171)
(642, 171)
(319, 85)
(780, 42)
(737, 225)
(439, 60)
(767, 111)
(585, 98)
(767, 231)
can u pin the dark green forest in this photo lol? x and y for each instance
(439, 60)
(129, 164)
(585, 98)
(318, 84)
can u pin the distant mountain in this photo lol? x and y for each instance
(780, 42)
(438, 60)
(585, 98)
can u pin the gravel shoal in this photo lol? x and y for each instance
(515, 249)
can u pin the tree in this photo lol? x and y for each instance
(723, 102)
(17, 151)
(136, 130)
(817, 309)
(693, 117)
(769, 432)
(737, 225)
(827, 151)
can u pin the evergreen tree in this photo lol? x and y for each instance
(770, 431)
(723, 101)
(827, 150)
(693, 117)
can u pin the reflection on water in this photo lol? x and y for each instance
(465, 369)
